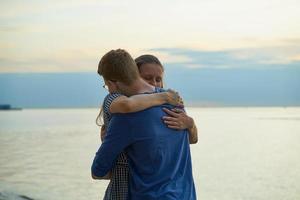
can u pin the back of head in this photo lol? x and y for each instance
(147, 59)
(118, 65)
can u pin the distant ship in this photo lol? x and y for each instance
(8, 107)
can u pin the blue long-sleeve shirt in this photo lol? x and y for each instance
(159, 157)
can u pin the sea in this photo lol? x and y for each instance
(243, 153)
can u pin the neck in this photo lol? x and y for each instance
(139, 86)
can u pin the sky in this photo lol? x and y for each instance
(59, 36)
(215, 52)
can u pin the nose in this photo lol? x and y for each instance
(157, 84)
(152, 82)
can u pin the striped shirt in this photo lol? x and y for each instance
(117, 188)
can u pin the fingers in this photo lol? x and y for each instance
(172, 125)
(176, 110)
(176, 97)
(173, 91)
(172, 122)
(180, 102)
(171, 113)
(174, 119)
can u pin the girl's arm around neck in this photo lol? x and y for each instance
(141, 102)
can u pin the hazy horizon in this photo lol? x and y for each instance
(198, 87)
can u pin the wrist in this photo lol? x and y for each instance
(191, 123)
(166, 97)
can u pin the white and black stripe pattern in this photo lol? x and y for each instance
(117, 188)
(106, 105)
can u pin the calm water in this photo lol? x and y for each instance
(242, 153)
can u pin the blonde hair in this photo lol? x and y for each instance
(148, 59)
(99, 119)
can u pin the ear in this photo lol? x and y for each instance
(113, 85)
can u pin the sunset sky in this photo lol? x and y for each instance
(59, 36)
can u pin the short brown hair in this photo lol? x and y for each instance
(118, 65)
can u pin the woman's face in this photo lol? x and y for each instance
(152, 73)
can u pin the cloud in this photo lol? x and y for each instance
(8, 29)
(36, 31)
(295, 57)
(77, 61)
(86, 60)
(166, 57)
(237, 58)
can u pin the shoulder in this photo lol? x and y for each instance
(112, 96)
(158, 89)
(108, 100)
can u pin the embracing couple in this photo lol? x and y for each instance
(146, 133)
